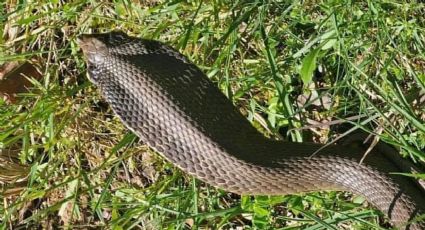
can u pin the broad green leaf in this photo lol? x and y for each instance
(308, 66)
(329, 44)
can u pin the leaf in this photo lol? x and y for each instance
(328, 35)
(28, 20)
(260, 211)
(246, 203)
(359, 199)
(308, 66)
(329, 44)
(328, 40)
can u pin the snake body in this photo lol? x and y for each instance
(172, 106)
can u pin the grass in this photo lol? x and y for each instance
(77, 166)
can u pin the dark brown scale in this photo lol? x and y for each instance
(174, 108)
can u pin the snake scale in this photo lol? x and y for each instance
(172, 106)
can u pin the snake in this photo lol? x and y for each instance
(174, 108)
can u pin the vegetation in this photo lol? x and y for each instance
(286, 64)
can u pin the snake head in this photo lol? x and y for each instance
(97, 48)
(95, 51)
(100, 49)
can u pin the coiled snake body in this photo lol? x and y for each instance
(174, 108)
